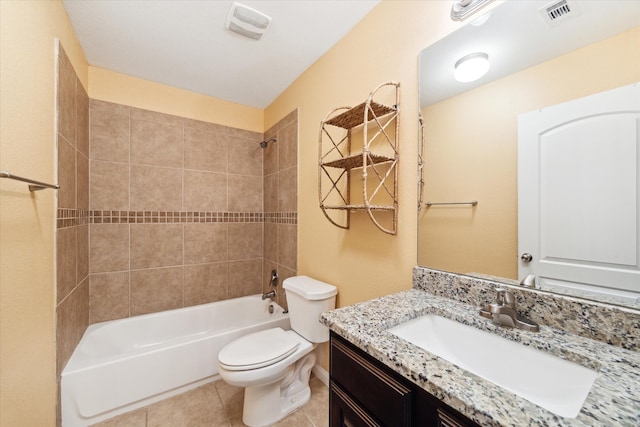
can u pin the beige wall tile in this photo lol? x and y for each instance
(205, 151)
(156, 245)
(288, 190)
(245, 156)
(245, 193)
(66, 174)
(109, 296)
(72, 319)
(156, 144)
(109, 134)
(271, 193)
(66, 261)
(244, 278)
(66, 101)
(205, 191)
(111, 107)
(205, 243)
(156, 290)
(245, 241)
(109, 186)
(108, 247)
(244, 134)
(204, 283)
(270, 241)
(82, 254)
(155, 189)
(82, 123)
(287, 245)
(270, 157)
(154, 116)
(288, 149)
(82, 181)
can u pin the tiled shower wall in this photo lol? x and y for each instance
(72, 237)
(281, 201)
(72, 229)
(176, 212)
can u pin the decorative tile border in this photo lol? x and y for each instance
(75, 217)
(72, 217)
(281, 217)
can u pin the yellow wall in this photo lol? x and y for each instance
(478, 160)
(28, 30)
(114, 87)
(362, 262)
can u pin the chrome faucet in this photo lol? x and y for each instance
(270, 294)
(529, 281)
(273, 281)
(503, 312)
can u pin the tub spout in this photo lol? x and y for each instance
(270, 294)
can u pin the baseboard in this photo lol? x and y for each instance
(321, 374)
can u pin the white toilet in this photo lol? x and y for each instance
(274, 365)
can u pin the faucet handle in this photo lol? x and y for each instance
(505, 297)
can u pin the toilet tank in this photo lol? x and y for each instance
(307, 298)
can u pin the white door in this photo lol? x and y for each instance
(579, 193)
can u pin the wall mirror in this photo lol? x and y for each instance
(541, 53)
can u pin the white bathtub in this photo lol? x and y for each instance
(129, 363)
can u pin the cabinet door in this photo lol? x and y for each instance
(345, 412)
(387, 397)
(446, 419)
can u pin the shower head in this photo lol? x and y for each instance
(266, 142)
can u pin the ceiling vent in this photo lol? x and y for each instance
(559, 11)
(247, 21)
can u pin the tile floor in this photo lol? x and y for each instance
(219, 404)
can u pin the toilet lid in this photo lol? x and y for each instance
(259, 349)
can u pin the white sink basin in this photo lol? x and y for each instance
(557, 385)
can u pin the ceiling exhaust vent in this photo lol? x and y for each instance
(247, 21)
(559, 11)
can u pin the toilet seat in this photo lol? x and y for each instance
(258, 349)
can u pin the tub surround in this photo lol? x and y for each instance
(613, 399)
(197, 204)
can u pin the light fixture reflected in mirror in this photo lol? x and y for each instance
(471, 67)
(462, 9)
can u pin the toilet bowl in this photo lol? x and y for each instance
(274, 365)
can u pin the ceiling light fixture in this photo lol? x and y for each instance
(247, 21)
(462, 9)
(471, 67)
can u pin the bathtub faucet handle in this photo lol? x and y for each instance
(274, 278)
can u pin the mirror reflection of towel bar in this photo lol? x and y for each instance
(33, 184)
(472, 203)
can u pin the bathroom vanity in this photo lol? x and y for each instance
(363, 390)
(380, 379)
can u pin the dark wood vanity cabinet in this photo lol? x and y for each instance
(365, 393)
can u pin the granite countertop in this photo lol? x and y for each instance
(614, 399)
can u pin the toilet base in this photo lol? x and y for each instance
(269, 403)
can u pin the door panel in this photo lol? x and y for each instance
(579, 191)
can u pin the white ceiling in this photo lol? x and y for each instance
(184, 43)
